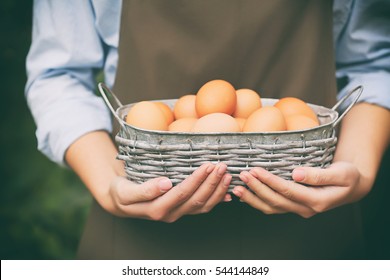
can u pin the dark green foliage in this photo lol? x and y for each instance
(42, 206)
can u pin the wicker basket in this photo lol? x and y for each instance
(149, 154)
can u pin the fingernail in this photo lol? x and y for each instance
(244, 177)
(227, 180)
(165, 184)
(210, 168)
(237, 193)
(227, 198)
(221, 169)
(298, 174)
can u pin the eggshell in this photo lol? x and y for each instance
(167, 112)
(293, 106)
(182, 125)
(217, 96)
(299, 122)
(265, 119)
(241, 122)
(216, 122)
(248, 101)
(185, 107)
(147, 115)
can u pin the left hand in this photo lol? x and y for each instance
(324, 189)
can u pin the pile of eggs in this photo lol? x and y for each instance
(219, 107)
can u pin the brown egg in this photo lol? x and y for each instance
(293, 106)
(167, 112)
(185, 107)
(248, 101)
(217, 96)
(265, 119)
(298, 122)
(216, 122)
(147, 115)
(241, 122)
(182, 125)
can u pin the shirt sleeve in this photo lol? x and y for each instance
(67, 50)
(362, 42)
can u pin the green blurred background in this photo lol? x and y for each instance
(43, 207)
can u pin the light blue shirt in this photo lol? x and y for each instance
(73, 39)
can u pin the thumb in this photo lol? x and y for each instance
(316, 176)
(128, 192)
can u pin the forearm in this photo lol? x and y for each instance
(93, 158)
(364, 136)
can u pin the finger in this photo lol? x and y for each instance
(220, 194)
(250, 198)
(227, 197)
(319, 199)
(289, 189)
(337, 174)
(210, 192)
(183, 191)
(127, 192)
(160, 209)
(209, 186)
(272, 198)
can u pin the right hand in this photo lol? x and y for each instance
(157, 200)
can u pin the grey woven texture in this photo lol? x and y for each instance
(151, 154)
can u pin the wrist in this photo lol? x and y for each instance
(93, 158)
(364, 150)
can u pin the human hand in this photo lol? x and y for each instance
(324, 189)
(157, 200)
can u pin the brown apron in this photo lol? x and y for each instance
(279, 48)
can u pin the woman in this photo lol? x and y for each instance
(168, 48)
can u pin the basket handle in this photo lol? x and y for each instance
(358, 90)
(103, 89)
